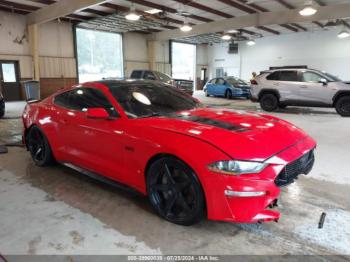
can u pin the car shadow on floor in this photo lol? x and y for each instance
(306, 111)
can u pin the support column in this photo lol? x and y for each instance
(152, 54)
(34, 49)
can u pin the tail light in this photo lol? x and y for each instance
(253, 82)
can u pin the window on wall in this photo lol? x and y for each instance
(100, 55)
(183, 61)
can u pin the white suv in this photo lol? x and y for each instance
(300, 87)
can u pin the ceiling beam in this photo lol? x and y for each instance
(59, 9)
(168, 9)
(291, 28)
(337, 11)
(251, 9)
(223, 14)
(290, 6)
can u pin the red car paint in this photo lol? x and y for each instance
(121, 149)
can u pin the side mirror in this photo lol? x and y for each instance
(323, 81)
(97, 113)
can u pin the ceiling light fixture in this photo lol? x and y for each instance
(308, 9)
(186, 27)
(251, 42)
(132, 15)
(343, 34)
(153, 11)
(226, 37)
(233, 31)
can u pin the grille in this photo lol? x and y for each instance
(302, 165)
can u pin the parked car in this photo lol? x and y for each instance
(189, 160)
(184, 85)
(300, 87)
(228, 87)
(2, 106)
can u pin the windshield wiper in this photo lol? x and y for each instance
(152, 115)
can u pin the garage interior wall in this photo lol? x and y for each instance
(56, 51)
(320, 50)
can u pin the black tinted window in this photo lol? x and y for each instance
(136, 74)
(273, 76)
(149, 75)
(83, 98)
(289, 76)
(144, 99)
(62, 100)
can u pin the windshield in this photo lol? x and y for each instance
(332, 77)
(235, 81)
(150, 99)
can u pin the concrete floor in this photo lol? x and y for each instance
(56, 210)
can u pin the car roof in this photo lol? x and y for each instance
(290, 69)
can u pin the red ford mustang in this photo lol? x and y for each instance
(190, 160)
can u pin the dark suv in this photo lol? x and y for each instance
(184, 85)
(2, 106)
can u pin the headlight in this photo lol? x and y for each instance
(234, 167)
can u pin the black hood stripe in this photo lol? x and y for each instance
(209, 121)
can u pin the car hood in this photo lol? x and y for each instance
(241, 135)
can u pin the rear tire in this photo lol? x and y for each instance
(343, 106)
(269, 102)
(228, 94)
(39, 147)
(175, 192)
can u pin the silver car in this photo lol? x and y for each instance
(300, 87)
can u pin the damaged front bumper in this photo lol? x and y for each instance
(250, 198)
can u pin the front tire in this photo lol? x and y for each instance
(175, 192)
(39, 147)
(269, 102)
(343, 106)
(206, 93)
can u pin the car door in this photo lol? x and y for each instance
(315, 88)
(288, 85)
(98, 142)
(220, 87)
(210, 86)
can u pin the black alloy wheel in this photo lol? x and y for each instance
(269, 102)
(39, 147)
(343, 106)
(228, 94)
(175, 192)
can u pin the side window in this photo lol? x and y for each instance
(311, 77)
(62, 100)
(137, 74)
(289, 76)
(164, 77)
(220, 81)
(213, 81)
(83, 98)
(274, 76)
(149, 75)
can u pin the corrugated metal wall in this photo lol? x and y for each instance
(55, 67)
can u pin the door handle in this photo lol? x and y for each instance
(303, 86)
(276, 84)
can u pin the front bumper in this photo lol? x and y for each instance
(249, 198)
